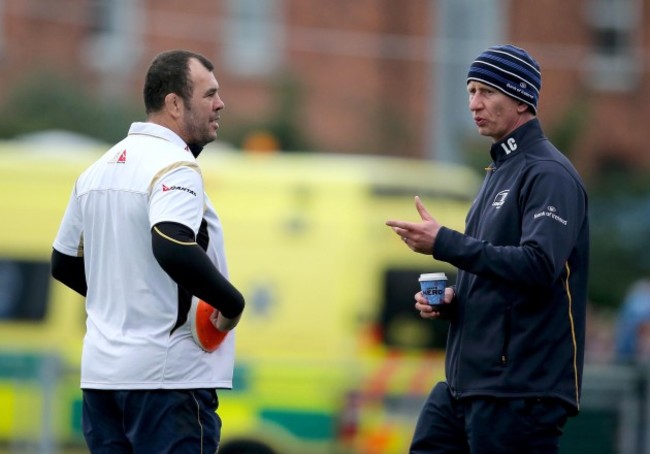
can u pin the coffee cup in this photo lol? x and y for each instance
(433, 287)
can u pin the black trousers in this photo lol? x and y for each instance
(487, 425)
(151, 421)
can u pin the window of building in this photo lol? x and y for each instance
(254, 34)
(24, 287)
(114, 43)
(614, 63)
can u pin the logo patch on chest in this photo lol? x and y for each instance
(500, 199)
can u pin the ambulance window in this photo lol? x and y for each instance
(23, 289)
(401, 325)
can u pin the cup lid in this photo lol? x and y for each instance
(433, 277)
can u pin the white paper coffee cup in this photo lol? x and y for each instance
(433, 287)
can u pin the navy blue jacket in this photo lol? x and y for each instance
(518, 323)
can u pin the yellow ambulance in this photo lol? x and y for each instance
(331, 356)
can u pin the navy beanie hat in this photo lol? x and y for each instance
(510, 70)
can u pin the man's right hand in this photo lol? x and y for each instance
(222, 323)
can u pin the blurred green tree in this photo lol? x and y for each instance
(620, 233)
(52, 101)
(283, 123)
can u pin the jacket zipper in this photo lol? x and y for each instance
(481, 205)
(506, 336)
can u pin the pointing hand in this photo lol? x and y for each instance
(418, 236)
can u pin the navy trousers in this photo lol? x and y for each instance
(487, 425)
(151, 421)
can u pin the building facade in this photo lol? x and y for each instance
(369, 76)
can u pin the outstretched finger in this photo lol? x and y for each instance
(400, 225)
(400, 232)
(424, 214)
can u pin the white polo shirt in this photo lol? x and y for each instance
(132, 304)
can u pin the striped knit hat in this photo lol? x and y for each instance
(510, 70)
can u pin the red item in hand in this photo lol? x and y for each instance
(205, 334)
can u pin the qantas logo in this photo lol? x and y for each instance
(166, 188)
(119, 158)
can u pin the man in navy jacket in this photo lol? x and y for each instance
(517, 312)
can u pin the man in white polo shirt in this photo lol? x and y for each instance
(141, 241)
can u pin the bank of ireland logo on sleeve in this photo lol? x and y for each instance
(550, 212)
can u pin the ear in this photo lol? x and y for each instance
(522, 107)
(173, 105)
